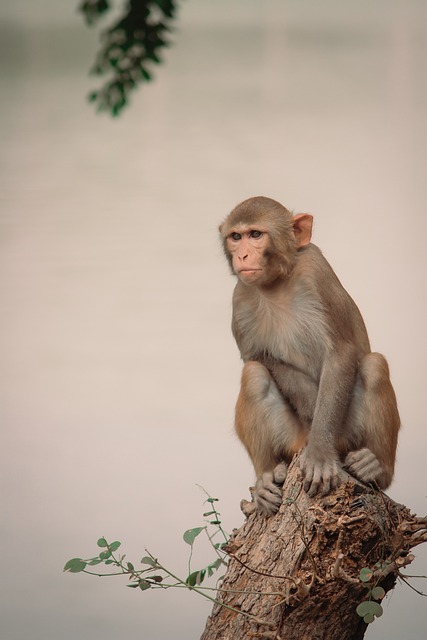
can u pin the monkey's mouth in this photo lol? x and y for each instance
(248, 270)
(250, 276)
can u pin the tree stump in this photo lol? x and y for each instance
(297, 575)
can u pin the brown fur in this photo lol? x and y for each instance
(309, 379)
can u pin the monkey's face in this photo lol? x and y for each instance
(261, 239)
(248, 248)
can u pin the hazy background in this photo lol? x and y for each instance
(119, 372)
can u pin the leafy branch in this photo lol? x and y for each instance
(138, 577)
(370, 609)
(153, 575)
(129, 48)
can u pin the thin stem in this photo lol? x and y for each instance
(216, 513)
(261, 573)
(217, 551)
(420, 593)
(205, 595)
(101, 575)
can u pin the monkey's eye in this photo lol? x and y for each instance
(235, 236)
(255, 234)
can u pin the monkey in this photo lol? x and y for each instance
(310, 381)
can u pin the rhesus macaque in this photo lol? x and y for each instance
(310, 380)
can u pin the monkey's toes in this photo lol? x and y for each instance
(363, 464)
(280, 473)
(267, 495)
(267, 503)
(247, 508)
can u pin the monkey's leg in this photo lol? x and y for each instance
(373, 423)
(270, 431)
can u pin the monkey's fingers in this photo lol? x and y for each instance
(308, 477)
(312, 479)
(315, 484)
(324, 476)
(310, 472)
(331, 480)
(326, 484)
(308, 465)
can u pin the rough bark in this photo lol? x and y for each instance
(296, 575)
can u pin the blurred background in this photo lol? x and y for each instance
(119, 373)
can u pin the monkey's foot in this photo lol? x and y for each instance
(363, 464)
(268, 492)
(248, 508)
(279, 473)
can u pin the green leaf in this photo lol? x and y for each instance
(214, 566)
(75, 565)
(144, 585)
(114, 545)
(93, 10)
(134, 585)
(211, 500)
(146, 74)
(209, 513)
(363, 608)
(155, 578)
(105, 554)
(130, 566)
(149, 561)
(191, 579)
(368, 610)
(102, 542)
(378, 593)
(94, 561)
(196, 577)
(366, 574)
(191, 534)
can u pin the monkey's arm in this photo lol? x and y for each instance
(319, 461)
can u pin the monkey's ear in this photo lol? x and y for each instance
(302, 224)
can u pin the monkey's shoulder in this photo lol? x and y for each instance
(312, 267)
(315, 274)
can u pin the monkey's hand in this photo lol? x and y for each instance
(321, 470)
(268, 492)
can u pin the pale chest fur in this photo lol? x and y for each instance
(292, 326)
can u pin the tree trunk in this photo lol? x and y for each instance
(296, 575)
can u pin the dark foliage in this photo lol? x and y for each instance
(129, 48)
